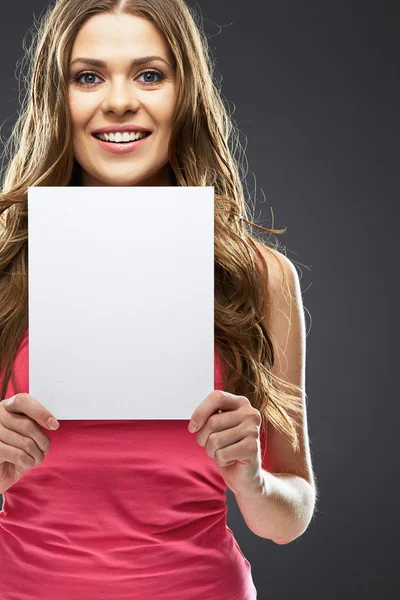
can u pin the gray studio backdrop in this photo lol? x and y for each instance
(316, 95)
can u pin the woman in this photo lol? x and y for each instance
(136, 509)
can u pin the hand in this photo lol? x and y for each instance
(229, 430)
(23, 444)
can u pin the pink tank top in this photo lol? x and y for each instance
(129, 510)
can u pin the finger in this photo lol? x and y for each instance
(218, 399)
(224, 439)
(240, 450)
(219, 421)
(19, 449)
(20, 459)
(27, 405)
(14, 428)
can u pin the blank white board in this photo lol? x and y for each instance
(121, 300)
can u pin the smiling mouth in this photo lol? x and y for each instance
(146, 134)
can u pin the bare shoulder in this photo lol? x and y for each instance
(282, 274)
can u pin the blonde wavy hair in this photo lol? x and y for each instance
(202, 152)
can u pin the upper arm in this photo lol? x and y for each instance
(285, 323)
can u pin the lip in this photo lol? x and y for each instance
(116, 128)
(121, 148)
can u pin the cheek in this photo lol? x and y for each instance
(81, 110)
(163, 110)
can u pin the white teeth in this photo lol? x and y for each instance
(121, 137)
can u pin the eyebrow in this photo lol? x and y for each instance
(100, 63)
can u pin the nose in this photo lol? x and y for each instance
(120, 97)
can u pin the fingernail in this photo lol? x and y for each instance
(52, 423)
(193, 427)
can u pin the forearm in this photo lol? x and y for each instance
(279, 508)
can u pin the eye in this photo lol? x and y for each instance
(152, 72)
(76, 78)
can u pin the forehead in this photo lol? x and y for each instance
(107, 36)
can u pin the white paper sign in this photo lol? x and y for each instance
(121, 300)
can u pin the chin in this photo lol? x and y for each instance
(157, 176)
(126, 181)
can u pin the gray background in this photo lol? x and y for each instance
(315, 90)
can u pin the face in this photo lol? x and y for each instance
(121, 93)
